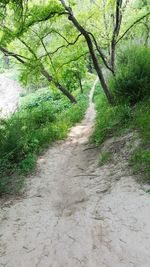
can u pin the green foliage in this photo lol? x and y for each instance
(40, 120)
(43, 12)
(116, 120)
(30, 76)
(70, 78)
(142, 119)
(141, 157)
(104, 157)
(132, 81)
(1, 64)
(110, 120)
(140, 161)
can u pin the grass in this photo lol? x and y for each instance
(41, 119)
(140, 159)
(141, 163)
(131, 91)
(110, 120)
(120, 119)
(104, 157)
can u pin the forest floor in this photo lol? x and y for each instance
(9, 95)
(76, 213)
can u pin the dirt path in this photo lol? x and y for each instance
(9, 95)
(77, 214)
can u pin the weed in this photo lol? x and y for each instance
(104, 157)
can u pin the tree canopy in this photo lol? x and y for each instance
(56, 39)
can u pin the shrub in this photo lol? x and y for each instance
(132, 81)
(140, 161)
(109, 119)
(141, 156)
(40, 120)
(142, 120)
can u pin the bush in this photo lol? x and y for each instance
(40, 120)
(140, 161)
(109, 119)
(142, 120)
(132, 81)
(141, 157)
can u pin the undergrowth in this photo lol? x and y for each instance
(41, 119)
(131, 83)
(110, 120)
(140, 159)
(131, 90)
(120, 119)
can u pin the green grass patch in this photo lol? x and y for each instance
(110, 120)
(140, 159)
(119, 119)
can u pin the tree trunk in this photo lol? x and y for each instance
(118, 19)
(113, 53)
(98, 70)
(65, 92)
(80, 82)
(89, 64)
(59, 86)
(91, 50)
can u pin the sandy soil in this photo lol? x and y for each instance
(9, 95)
(75, 213)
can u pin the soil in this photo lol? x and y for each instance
(77, 213)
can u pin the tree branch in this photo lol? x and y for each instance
(89, 42)
(47, 54)
(131, 26)
(28, 47)
(63, 46)
(72, 60)
(17, 56)
(101, 53)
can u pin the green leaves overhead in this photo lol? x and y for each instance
(40, 12)
(40, 33)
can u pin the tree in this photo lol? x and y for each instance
(88, 39)
(116, 19)
(97, 28)
(21, 40)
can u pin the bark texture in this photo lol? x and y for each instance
(59, 86)
(88, 39)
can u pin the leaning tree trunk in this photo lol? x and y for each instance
(113, 54)
(96, 63)
(65, 92)
(59, 86)
(98, 70)
(91, 50)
